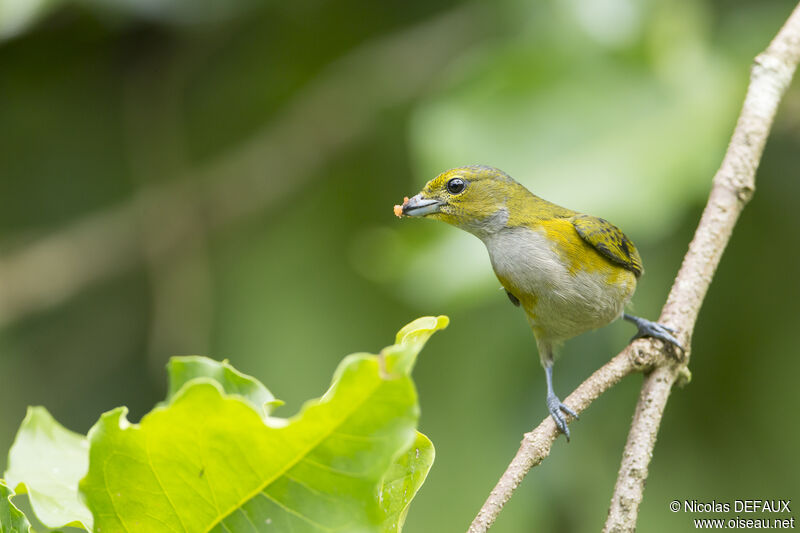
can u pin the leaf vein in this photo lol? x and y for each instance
(158, 480)
(241, 510)
(309, 488)
(327, 468)
(295, 512)
(291, 463)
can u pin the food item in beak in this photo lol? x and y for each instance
(398, 209)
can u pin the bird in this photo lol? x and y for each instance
(570, 272)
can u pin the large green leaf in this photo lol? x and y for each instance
(47, 461)
(12, 520)
(183, 369)
(403, 480)
(349, 461)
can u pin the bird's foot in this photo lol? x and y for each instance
(654, 330)
(557, 410)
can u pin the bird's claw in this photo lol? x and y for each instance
(663, 326)
(658, 331)
(646, 328)
(555, 406)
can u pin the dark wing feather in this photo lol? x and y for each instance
(514, 299)
(607, 239)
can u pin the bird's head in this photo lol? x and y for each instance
(474, 198)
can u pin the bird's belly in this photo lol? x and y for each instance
(560, 299)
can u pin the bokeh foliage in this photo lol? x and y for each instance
(310, 120)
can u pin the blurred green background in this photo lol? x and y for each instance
(218, 178)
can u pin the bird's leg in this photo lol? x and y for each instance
(652, 329)
(554, 405)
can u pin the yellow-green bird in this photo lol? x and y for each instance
(570, 272)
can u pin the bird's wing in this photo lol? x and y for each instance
(607, 239)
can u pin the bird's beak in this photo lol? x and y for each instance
(418, 206)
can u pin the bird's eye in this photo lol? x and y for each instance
(455, 185)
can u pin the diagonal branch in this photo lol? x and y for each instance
(641, 355)
(732, 188)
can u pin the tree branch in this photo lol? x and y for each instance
(537, 443)
(733, 186)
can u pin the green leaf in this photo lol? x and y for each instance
(401, 356)
(208, 461)
(46, 461)
(12, 520)
(403, 480)
(184, 369)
